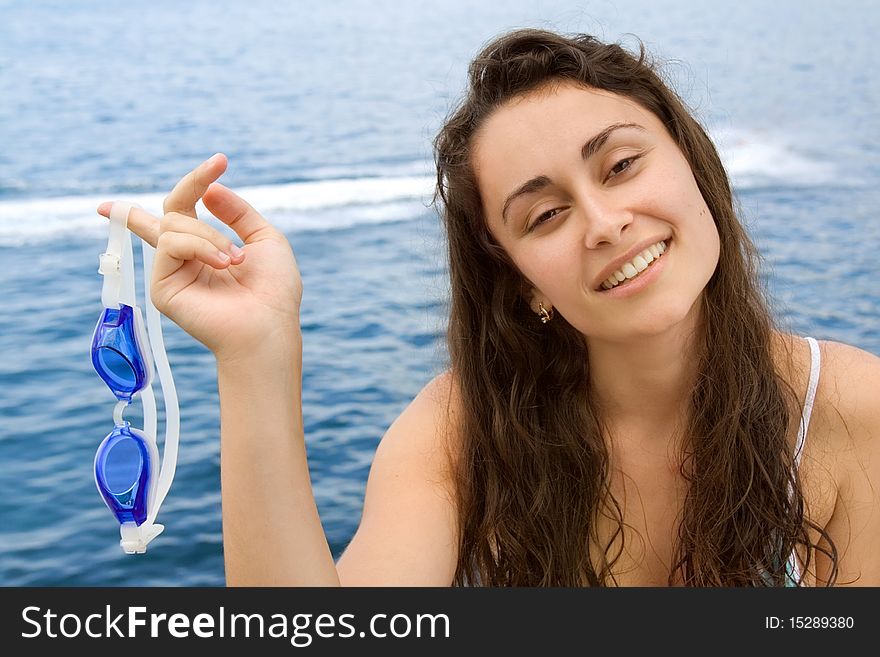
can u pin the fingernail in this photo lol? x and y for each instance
(235, 251)
(223, 256)
(213, 158)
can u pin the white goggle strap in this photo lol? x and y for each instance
(117, 263)
(169, 393)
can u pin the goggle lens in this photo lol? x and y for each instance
(122, 472)
(117, 368)
(116, 355)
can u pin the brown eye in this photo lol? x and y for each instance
(622, 166)
(545, 217)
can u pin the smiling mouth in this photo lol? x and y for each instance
(630, 271)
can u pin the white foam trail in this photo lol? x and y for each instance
(318, 205)
(755, 160)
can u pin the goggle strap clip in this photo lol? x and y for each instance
(116, 264)
(108, 263)
(136, 538)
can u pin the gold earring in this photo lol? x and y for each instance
(545, 315)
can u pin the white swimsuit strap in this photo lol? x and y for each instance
(815, 365)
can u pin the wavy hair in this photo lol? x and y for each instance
(532, 474)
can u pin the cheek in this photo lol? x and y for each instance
(547, 266)
(676, 203)
(703, 254)
(710, 239)
(694, 216)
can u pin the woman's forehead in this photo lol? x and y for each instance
(558, 112)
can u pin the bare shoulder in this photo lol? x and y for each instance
(442, 396)
(426, 431)
(847, 392)
(429, 423)
(849, 389)
(842, 356)
(408, 530)
(849, 415)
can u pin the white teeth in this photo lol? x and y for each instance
(636, 266)
(640, 263)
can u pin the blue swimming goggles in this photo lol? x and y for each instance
(127, 466)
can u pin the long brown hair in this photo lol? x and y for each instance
(532, 473)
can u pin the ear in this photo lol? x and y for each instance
(536, 298)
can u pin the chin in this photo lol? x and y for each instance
(666, 315)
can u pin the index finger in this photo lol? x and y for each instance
(192, 186)
(140, 222)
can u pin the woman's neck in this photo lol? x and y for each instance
(645, 383)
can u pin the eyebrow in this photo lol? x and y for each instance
(590, 148)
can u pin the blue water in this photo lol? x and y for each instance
(327, 116)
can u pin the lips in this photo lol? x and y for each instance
(625, 258)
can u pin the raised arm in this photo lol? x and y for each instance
(272, 535)
(243, 304)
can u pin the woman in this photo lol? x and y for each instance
(619, 410)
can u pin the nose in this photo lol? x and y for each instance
(604, 221)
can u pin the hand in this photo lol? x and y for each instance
(231, 301)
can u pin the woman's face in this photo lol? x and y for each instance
(573, 180)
